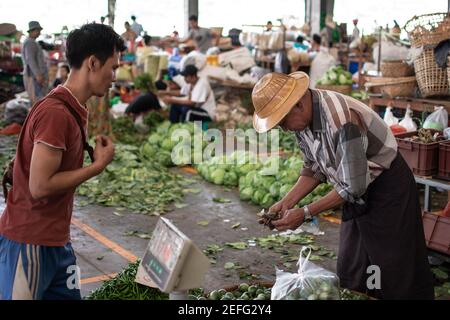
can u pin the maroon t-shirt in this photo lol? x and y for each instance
(44, 222)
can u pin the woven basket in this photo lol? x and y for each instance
(428, 29)
(394, 87)
(345, 89)
(396, 69)
(432, 80)
(448, 71)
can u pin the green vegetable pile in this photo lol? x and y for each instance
(136, 183)
(170, 149)
(315, 289)
(336, 76)
(360, 95)
(226, 170)
(126, 132)
(441, 275)
(287, 142)
(123, 287)
(243, 292)
(265, 186)
(7, 150)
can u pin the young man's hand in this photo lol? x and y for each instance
(104, 151)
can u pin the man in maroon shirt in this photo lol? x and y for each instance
(36, 257)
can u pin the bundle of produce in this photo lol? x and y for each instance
(127, 132)
(132, 182)
(311, 282)
(336, 76)
(123, 287)
(242, 292)
(227, 170)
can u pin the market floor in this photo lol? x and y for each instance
(103, 248)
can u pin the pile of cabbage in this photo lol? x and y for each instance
(267, 185)
(227, 170)
(336, 76)
(170, 150)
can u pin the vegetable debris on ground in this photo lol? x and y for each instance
(137, 184)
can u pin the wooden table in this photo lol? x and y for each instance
(419, 105)
(232, 84)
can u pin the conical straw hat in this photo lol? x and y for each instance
(274, 96)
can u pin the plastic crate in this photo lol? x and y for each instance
(437, 232)
(444, 160)
(423, 159)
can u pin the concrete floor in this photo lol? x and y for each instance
(102, 248)
(201, 208)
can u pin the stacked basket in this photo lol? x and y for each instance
(398, 79)
(425, 33)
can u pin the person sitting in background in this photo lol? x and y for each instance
(146, 99)
(299, 43)
(195, 101)
(269, 26)
(141, 105)
(64, 71)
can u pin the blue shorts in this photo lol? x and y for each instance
(31, 272)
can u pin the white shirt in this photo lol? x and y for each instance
(201, 94)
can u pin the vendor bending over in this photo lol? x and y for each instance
(194, 102)
(347, 144)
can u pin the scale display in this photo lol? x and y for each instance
(164, 252)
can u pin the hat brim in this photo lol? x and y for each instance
(38, 28)
(262, 125)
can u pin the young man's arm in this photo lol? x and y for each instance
(46, 181)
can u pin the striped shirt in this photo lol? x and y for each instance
(349, 156)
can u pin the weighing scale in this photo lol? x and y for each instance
(172, 262)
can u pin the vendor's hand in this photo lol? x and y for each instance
(104, 151)
(290, 220)
(280, 207)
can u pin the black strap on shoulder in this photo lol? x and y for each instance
(77, 117)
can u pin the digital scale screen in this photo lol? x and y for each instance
(163, 253)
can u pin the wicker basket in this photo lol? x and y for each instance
(428, 29)
(344, 89)
(448, 71)
(394, 87)
(432, 80)
(396, 69)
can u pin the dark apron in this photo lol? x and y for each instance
(387, 232)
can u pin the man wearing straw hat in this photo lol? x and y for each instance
(35, 74)
(347, 144)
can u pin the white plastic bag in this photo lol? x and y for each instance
(408, 122)
(311, 282)
(438, 120)
(389, 117)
